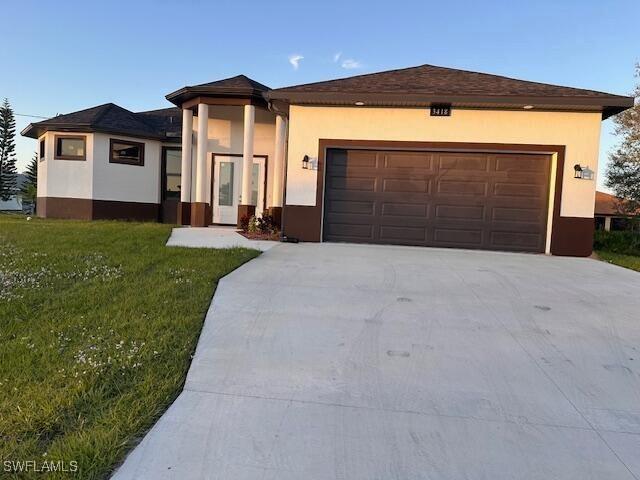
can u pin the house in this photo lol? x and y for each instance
(425, 155)
(607, 213)
(15, 203)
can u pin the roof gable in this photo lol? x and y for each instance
(425, 84)
(431, 79)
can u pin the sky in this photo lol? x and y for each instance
(63, 56)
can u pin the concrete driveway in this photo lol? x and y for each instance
(366, 362)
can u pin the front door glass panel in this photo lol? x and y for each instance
(255, 183)
(225, 189)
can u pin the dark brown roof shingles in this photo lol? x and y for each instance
(434, 80)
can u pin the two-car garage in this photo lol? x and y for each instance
(435, 156)
(464, 199)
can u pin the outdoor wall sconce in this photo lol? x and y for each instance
(305, 162)
(583, 173)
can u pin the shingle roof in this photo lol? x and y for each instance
(429, 83)
(239, 86)
(165, 120)
(237, 82)
(111, 118)
(606, 204)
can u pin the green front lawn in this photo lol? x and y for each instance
(98, 322)
(627, 261)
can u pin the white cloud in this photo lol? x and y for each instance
(294, 60)
(350, 64)
(336, 57)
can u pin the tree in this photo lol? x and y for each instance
(8, 171)
(29, 189)
(623, 172)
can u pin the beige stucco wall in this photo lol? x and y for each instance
(65, 178)
(579, 132)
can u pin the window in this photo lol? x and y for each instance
(128, 153)
(42, 149)
(172, 166)
(70, 147)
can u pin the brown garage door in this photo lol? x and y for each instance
(493, 201)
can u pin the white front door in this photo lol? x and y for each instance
(227, 187)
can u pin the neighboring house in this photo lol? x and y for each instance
(14, 204)
(607, 213)
(417, 156)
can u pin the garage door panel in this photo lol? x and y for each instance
(519, 190)
(520, 163)
(515, 240)
(351, 231)
(457, 237)
(395, 233)
(352, 183)
(468, 212)
(406, 185)
(448, 199)
(354, 159)
(413, 161)
(517, 215)
(462, 187)
(350, 206)
(391, 209)
(465, 163)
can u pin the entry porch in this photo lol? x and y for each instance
(231, 157)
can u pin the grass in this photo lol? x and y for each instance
(98, 323)
(627, 261)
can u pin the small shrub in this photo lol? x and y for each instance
(252, 227)
(267, 224)
(244, 222)
(625, 242)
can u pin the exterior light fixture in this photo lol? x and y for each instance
(359, 104)
(305, 162)
(583, 173)
(528, 107)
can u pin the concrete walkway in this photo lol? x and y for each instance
(214, 237)
(365, 362)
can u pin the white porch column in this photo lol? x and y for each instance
(278, 166)
(187, 139)
(201, 153)
(247, 153)
(607, 224)
(200, 213)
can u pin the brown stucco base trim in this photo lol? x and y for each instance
(112, 210)
(199, 214)
(301, 222)
(276, 214)
(88, 209)
(572, 236)
(67, 208)
(184, 213)
(245, 210)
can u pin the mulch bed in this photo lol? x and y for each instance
(260, 236)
